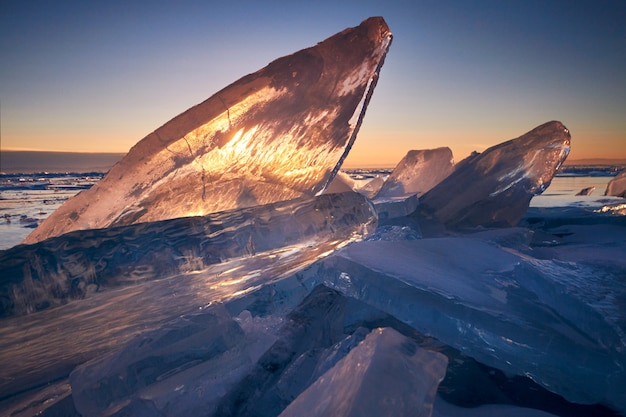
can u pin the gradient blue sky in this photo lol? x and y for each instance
(101, 75)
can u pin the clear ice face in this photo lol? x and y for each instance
(495, 188)
(208, 349)
(78, 264)
(277, 134)
(212, 363)
(384, 367)
(560, 323)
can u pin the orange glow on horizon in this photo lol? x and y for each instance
(372, 149)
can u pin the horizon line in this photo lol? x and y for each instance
(618, 160)
(60, 151)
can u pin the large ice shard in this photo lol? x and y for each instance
(277, 134)
(79, 263)
(387, 374)
(50, 343)
(617, 186)
(418, 172)
(494, 188)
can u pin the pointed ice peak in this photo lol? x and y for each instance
(387, 374)
(494, 188)
(277, 134)
(617, 186)
(418, 172)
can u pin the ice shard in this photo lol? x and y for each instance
(617, 186)
(418, 172)
(77, 264)
(210, 363)
(277, 134)
(586, 191)
(372, 187)
(494, 188)
(341, 183)
(387, 374)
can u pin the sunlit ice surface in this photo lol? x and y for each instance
(80, 263)
(494, 188)
(273, 135)
(617, 209)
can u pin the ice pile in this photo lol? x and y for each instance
(293, 304)
(277, 134)
(210, 364)
(274, 312)
(540, 318)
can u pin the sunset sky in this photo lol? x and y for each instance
(99, 76)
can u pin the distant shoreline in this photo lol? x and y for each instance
(26, 162)
(595, 162)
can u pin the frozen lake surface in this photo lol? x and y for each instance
(543, 301)
(27, 199)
